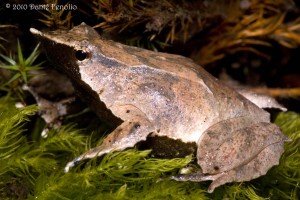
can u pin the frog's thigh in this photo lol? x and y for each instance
(233, 143)
(236, 149)
(134, 129)
(257, 167)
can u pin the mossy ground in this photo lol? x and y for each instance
(31, 167)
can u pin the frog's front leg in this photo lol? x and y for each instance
(135, 128)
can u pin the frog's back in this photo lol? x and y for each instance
(168, 63)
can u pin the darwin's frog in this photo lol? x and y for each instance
(147, 93)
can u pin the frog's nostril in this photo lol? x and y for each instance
(216, 168)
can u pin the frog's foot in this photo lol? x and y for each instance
(125, 136)
(218, 179)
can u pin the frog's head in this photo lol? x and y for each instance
(66, 49)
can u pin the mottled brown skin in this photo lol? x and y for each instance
(146, 92)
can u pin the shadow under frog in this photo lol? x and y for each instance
(158, 94)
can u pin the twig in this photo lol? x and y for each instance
(279, 92)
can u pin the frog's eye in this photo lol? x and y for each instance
(81, 55)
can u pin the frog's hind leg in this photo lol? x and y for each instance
(124, 136)
(259, 166)
(235, 150)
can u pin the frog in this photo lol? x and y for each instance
(144, 94)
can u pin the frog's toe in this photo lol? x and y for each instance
(72, 164)
(195, 177)
(218, 179)
(221, 179)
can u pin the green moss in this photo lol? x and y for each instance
(22, 158)
(32, 167)
(18, 68)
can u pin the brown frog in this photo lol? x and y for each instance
(147, 93)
